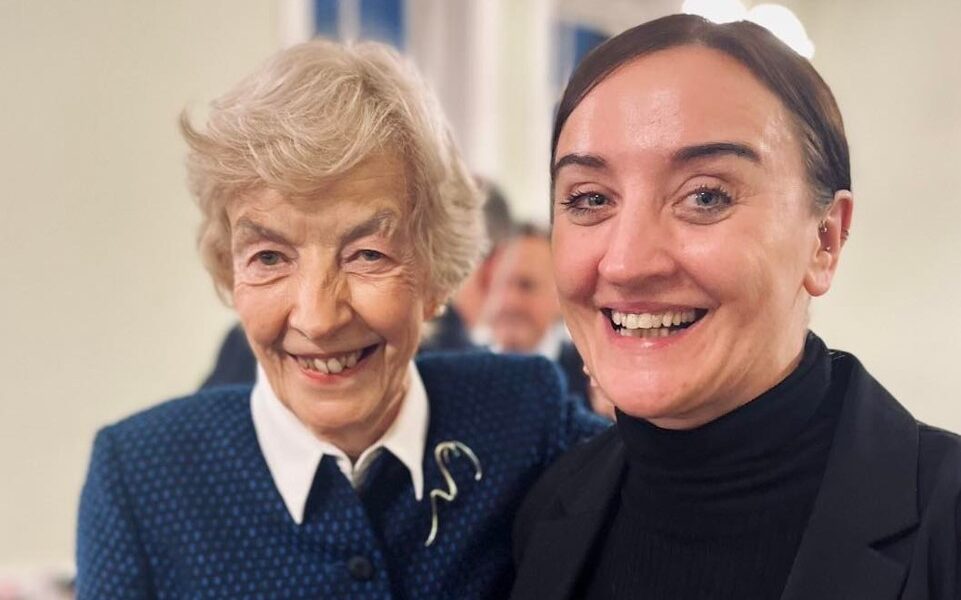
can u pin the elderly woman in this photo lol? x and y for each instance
(701, 198)
(337, 217)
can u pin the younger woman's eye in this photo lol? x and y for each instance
(594, 200)
(710, 199)
(578, 203)
(705, 205)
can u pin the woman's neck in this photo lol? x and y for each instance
(768, 370)
(769, 418)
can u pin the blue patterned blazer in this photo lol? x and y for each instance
(179, 502)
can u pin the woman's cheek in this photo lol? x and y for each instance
(260, 308)
(385, 303)
(575, 267)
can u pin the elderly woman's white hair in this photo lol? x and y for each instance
(310, 114)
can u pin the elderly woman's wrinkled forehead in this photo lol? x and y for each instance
(371, 198)
(382, 173)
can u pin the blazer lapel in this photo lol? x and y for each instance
(558, 548)
(868, 496)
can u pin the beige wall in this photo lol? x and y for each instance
(104, 306)
(893, 66)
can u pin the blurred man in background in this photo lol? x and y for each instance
(452, 330)
(522, 314)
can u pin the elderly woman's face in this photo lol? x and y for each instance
(686, 246)
(331, 299)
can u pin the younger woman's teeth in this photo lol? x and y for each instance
(333, 365)
(647, 333)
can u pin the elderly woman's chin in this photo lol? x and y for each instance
(362, 395)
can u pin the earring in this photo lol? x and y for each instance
(822, 229)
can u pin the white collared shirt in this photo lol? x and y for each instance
(549, 347)
(293, 452)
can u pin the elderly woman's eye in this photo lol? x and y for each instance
(370, 255)
(268, 258)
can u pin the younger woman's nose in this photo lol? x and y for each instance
(639, 248)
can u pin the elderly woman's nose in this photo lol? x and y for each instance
(319, 307)
(638, 248)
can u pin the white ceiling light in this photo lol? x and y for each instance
(719, 11)
(783, 23)
(777, 19)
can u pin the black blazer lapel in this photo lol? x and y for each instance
(868, 496)
(558, 548)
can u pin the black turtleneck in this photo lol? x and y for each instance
(718, 511)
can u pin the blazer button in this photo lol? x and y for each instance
(360, 568)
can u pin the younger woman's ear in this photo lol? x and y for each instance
(832, 232)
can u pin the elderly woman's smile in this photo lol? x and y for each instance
(341, 364)
(331, 297)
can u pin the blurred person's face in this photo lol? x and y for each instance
(331, 300)
(522, 304)
(686, 245)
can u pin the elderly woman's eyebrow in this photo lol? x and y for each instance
(714, 149)
(251, 230)
(382, 221)
(590, 161)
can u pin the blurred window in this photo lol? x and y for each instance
(327, 18)
(380, 20)
(573, 42)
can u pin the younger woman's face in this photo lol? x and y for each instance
(686, 246)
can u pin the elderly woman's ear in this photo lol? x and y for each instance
(833, 230)
(434, 306)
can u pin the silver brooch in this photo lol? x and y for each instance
(443, 452)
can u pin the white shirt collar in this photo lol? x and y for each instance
(549, 346)
(293, 452)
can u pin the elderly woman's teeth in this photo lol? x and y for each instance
(331, 365)
(647, 325)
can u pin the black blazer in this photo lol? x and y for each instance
(573, 367)
(886, 523)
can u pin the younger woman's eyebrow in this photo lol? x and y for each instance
(591, 161)
(713, 149)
